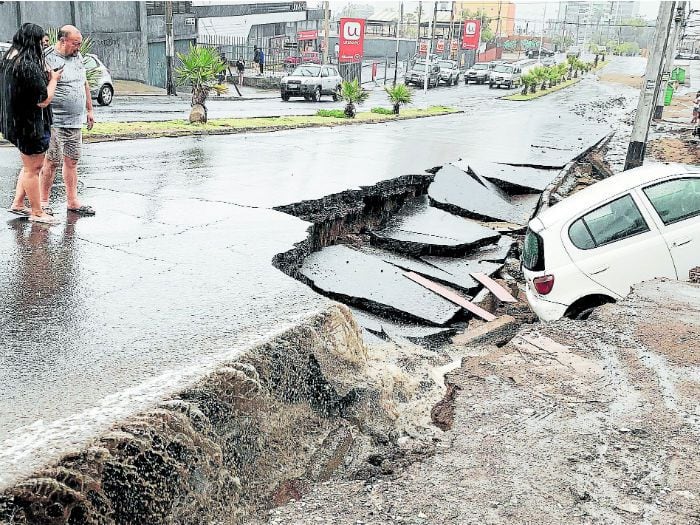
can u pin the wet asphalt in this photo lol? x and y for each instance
(102, 316)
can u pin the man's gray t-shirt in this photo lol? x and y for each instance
(68, 103)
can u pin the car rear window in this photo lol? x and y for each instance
(675, 200)
(533, 252)
(614, 221)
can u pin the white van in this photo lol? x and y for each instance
(508, 75)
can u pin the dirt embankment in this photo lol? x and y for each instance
(683, 148)
(572, 422)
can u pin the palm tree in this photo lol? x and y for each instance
(399, 94)
(352, 93)
(553, 76)
(200, 69)
(561, 70)
(540, 75)
(529, 82)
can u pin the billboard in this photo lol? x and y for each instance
(351, 39)
(471, 34)
(307, 35)
(440, 46)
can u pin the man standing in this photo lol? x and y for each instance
(261, 61)
(71, 102)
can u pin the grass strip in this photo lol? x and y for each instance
(109, 131)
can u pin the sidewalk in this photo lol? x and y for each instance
(129, 88)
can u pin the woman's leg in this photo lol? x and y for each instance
(18, 202)
(29, 178)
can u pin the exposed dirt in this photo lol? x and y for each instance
(571, 422)
(619, 78)
(682, 147)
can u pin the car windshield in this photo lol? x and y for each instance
(503, 69)
(480, 66)
(306, 71)
(445, 64)
(419, 63)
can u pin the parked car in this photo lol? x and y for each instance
(573, 51)
(507, 75)
(449, 72)
(541, 52)
(416, 73)
(102, 87)
(306, 57)
(592, 247)
(479, 73)
(311, 81)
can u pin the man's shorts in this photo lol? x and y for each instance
(65, 142)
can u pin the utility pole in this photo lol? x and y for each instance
(420, 12)
(169, 48)
(498, 23)
(668, 60)
(650, 87)
(326, 31)
(544, 22)
(432, 32)
(428, 64)
(452, 30)
(396, 55)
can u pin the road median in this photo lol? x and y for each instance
(111, 131)
(519, 97)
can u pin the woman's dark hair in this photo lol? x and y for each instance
(26, 50)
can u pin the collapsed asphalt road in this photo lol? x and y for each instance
(102, 316)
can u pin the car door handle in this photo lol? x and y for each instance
(598, 270)
(681, 242)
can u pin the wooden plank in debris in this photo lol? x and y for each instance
(450, 296)
(495, 288)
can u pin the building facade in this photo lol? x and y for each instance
(500, 15)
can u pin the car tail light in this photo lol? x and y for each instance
(543, 284)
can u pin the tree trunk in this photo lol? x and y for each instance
(396, 108)
(350, 110)
(198, 114)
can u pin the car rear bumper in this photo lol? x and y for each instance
(545, 310)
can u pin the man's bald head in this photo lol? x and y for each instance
(69, 40)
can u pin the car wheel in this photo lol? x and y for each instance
(336, 94)
(285, 97)
(455, 81)
(307, 97)
(509, 85)
(316, 97)
(104, 96)
(490, 85)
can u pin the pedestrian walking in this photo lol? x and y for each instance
(261, 61)
(27, 88)
(240, 67)
(696, 109)
(336, 49)
(72, 106)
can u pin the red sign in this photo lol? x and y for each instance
(307, 35)
(455, 45)
(440, 46)
(471, 34)
(423, 47)
(351, 39)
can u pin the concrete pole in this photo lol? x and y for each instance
(432, 31)
(420, 13)
(544, 22)
(169, 49)
(326, 32)
(396, 55)
(668, 60)
(448, 44)
(427, 56)
(650, 87)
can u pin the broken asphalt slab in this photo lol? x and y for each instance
(469, 195)
(458, 279)
(512, 179)
(421, 229)
(362, 280)
(396, 331)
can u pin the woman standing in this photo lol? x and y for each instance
(26, 90)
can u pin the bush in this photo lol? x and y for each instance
(383, 111)
(335, 113)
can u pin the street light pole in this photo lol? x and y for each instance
(396, 55)
(650, 87)
(326, 31)
(169, 48)
(427, 55)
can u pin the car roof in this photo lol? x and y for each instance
(599, 192)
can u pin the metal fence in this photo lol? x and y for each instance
(280, 54)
